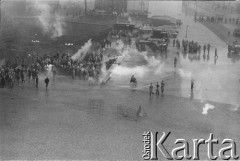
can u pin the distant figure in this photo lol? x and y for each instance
(192, 84)
(73, 73)
(157, 90)
(162, 86)
(175, 62)
(46, 82)
(208, 48)
(216, 55)
(173, 42)
(54, 73)
(132, 79)
(204, 48)
(151, 89)
(37, 80)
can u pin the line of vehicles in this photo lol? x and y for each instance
(154, 36)
(157, 38)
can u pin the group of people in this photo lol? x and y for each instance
(157, 88)
(162, 88)
(218, 19)
(88, 65)
(191, 46)
(176, 43)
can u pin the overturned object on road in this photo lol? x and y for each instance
(130, 113)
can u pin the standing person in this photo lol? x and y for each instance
(208, 48)
(216, 55)
(73, 73)
(3, 81)
(46, 82)
(204, 48)
(162, 86)
(192, 84)
(54, 73)
(173, 42)
(37, 80)
(151, 89)
(22, 76)
(29, 74)
(175, 62)
(157, 90)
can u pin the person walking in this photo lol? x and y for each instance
(46, 82)
(157, 90)
(151, 89)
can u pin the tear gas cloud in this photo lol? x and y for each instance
(48, 17)
(81, 53)
(185, 74)
(153, 65)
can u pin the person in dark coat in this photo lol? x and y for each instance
(46, 82)
(37, 80)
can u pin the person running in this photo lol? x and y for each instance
(37, 80)
(46, 82)
(192, 84)
(162, 86)
(157, 90)
(175, 62)
(151, 89)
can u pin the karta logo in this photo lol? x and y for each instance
(153, 146)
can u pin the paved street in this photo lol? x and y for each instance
(59, 124)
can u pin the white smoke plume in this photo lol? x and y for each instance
(48, 17)
(185, 74)
(81, 53)
(153, 65)
(206, 108)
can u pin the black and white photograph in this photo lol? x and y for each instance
(119, 80)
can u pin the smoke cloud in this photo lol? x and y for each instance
(83, 51)
(49, 17)
(185, 74)
(152, 66)
(206, 108)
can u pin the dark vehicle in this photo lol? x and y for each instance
(161, 34)
(236, 32)
(141, 45)
(234, 47)
(158, 44)
(178, 22)
(125, 26)
(159, 40)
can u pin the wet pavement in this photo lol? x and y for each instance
(59, 123)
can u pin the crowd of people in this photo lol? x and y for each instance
(90, 66)
(218, 19)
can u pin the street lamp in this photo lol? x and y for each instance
(186, 31)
